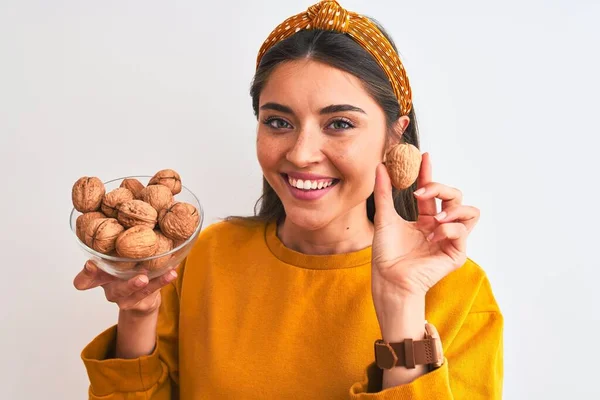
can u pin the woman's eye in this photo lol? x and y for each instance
(341, 124)
(277, 123)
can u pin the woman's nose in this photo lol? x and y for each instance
(305, 150)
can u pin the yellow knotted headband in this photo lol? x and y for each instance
(329, 15)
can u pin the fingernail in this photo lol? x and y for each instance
(141, 281)
(420, 191)
(441, 216)
(172, 275)
(430, 236)
(89, 267)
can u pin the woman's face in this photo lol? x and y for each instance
(320, 137)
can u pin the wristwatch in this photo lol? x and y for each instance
(409, 353)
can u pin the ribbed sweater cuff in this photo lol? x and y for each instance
(116, 374)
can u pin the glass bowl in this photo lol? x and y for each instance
(126, 268)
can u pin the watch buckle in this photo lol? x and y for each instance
(391, 352)
(432, 333)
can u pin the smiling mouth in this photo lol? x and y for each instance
(310, 185)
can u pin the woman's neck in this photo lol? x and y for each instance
(343, 235)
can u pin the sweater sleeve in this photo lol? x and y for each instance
(473, 367)
(151, 377)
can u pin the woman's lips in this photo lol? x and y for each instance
(311, 189)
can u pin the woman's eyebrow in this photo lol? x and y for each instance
(327, 110)
(334, 108)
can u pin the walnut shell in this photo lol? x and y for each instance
(403, 162)
(87, 194)
(137, 242)
(164, 245)
(168, 178)
(83, 221)
(179, 221)
(101, 234)
(133, 185)
(113, 199)
(177, 243)
(158, 196)
(137, 212)
(121, 265)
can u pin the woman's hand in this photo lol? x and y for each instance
(137, 296)
(410, 257)
(138, 300)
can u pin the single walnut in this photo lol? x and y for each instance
(164, 245)
(177, 243)
(158, 196)
(137, 242)
(133, 185)
(179, 221)
(101, 234)
(403, 162)
(168, 178)
(113, 199)
(87, 194)
(137, 212)
(83, 221)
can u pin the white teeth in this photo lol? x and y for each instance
(308, 184)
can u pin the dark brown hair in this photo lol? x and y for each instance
(342, 52)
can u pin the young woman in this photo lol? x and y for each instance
(333, 290)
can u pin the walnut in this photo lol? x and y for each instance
(164, 245)
(133, 185)
(83, 221)
(137, 212)
(403, 162)
(137, 242)
(177, 243)
(179, 221)
(101, 234)
(168, 178)
(113, 199)
(158, 196)
(87, 194)
(121, 265)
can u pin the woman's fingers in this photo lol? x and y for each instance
(119, 289)
(385, 212)
(467, 215)
(129, 293)
(153, 286)
(91, 276)
(426, 205)
(450, 197)
(455, 232)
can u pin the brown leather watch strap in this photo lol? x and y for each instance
(408, 353)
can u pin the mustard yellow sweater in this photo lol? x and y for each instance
(249, 318)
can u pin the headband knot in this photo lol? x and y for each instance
(329, 15)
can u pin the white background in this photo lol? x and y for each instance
(507, 99)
